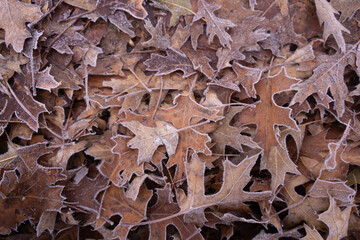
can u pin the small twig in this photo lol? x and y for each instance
(10, 121)
(159, 99)
(268, 9)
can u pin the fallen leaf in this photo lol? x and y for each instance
(337, 220)
(332, 26)
(13, 16)
(214, 25)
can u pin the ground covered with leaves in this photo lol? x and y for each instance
(179, 119)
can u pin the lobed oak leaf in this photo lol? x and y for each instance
(28, 194)
(120, 20)
(180, 37)
(246, 38)
(44, 80)
(214, 25)
(172, 62)
(245, 76)
(236, 177)
(197, 29)
(185, 110)
(337, 220)
(281, 30)
(14, 15)
(266, 115)
(305, 208)
(147, 139)
(10, 62)
(347, 8)
(332, 26)
(201, 60)
(335, 189)
(165, 207)
(159, 39)
(329, 74)
(311, 234)
(46, 222)
(101, 147)
(121, 163)
(227, 135)
(60, 156)
(115, 202)
(84, 193)
(22, 104)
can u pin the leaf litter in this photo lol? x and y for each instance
(179, 119)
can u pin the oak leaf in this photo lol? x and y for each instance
(214, 25)
(121, 162)
(22, 104)
(84, 193)
(337, 220)
(172, 62)
(106, 8)
(311, 234)
(266, 115)
(235, 178)
(335, 189)
(182, 115)
(347, 8)
(115, 202)
(246, 37)
(31, 191)
(166, 207)
(158, 39)
(227, 135)
(245, 76)
(332, 26)
(305, 208)
(148, 139)
(329, 74)
(14, 15)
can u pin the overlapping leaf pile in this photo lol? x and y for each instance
(179, 119)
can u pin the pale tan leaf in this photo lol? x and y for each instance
(148, 139)
(336, 220)
(13, 16)
(332, 26)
